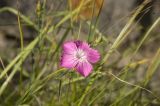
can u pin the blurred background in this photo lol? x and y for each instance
(113, 17)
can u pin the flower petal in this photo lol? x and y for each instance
(68, 61)
(85, 46)
(93, 56)
(78, 43)
(69, 47)
(84, 68)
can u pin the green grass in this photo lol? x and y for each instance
(47, 84)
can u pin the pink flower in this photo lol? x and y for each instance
(79, 55)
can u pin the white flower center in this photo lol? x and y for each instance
(80, 55)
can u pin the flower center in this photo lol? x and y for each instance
(80, 55)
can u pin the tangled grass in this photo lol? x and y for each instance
(45, 83)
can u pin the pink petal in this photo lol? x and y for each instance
(85, 46)
(68, 61)
(84, 68)
(69, 47)
(78, 43)
(93, 56)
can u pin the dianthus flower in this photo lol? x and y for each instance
(80, 56)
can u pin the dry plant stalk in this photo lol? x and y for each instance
(87, 10)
